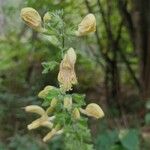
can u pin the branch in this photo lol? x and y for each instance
(130, 70)
(122, 55)
(122, 4)
(106, 24)
(104, 55)
(116, 40)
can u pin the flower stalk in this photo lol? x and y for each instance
(63, 113)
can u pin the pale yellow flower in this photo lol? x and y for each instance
(45, 91)
(93, 110)
(42, 121)
(67, 76)
(47, 17)
(35, 109)
(76, 113)
(53, 102)
(31, 17)
(52, 133)
(50, 110)
(68, 102)
(87, 25)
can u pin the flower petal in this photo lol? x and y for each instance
(35, 109)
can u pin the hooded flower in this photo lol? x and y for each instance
(31, 17)
(67, 76)
(53, 102)
(45, 91)
(68, 102)
(76, 114)
(52, 133)
(42, 121)
(93, 110)
(47, 17)
(87, 25)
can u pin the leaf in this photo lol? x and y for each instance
(129, 139)
(117, 147)
(107, 140)
(53, 93)
(46, 104)
(49, 66)
(79, 99)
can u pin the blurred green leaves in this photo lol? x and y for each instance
(118, 140)
(49, 66)
(78, 99)
(129, 139)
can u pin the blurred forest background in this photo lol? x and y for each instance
(113, 69)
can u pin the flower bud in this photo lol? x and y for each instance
(93, 110)
(35, 109)
(50, 110)
(44, 93)
(68, 102)
(31, 17)
(54, 102)
(47, 17)
(35, 124)
(76, 114)
(42, 121)
(87, 25)
(49, 135)
(52, 133)
(49, 87)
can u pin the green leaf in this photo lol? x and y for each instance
(49, 66)
(53, 93)
(46, 104)
(117, 147)
(79, 99)
(129, 139)
(107, 140)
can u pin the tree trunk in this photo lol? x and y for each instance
(142, 42)
(137, 20)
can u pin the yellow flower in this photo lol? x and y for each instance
(50, 110)
(68, 102)
(47, 17)
(87, 25)
(31, 17)
(67, 76)
(53, 102)
(35, 109)
(45, 91)
(42, 121)
(93, 110)
(52, 133)
(76, 113)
